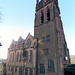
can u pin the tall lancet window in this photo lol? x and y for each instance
(48, 14)
(50, 64)
(31, 56)
(42, 69)
(42, 17)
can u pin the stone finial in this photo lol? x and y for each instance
(37, 1)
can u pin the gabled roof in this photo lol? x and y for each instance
(29, 36)
(13, 42)
(20, 39)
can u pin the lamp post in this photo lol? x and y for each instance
(37, 56)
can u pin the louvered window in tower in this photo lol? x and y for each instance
(48, 14)
(42, 17)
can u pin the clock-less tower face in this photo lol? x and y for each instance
(45, 30)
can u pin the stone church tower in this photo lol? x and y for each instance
(52, 52)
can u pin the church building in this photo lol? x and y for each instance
(52, 52)
(21, 59)
(46, 53)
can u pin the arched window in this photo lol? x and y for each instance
(43, 39)
(8, 68)
(29, 42)
(31, 72)
(20, 44)
(13, 57)
(26, 71)
(20, 70)
(50, 64)
(20, 57)
(42, 17)
(10, 57)
(47, 37)
(17, 56)
(42, 69)
(26, 55)
(15, 68)
(31, 56)
(48, 14)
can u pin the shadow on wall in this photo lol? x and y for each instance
(68, 73)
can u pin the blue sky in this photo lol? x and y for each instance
(18, 20)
